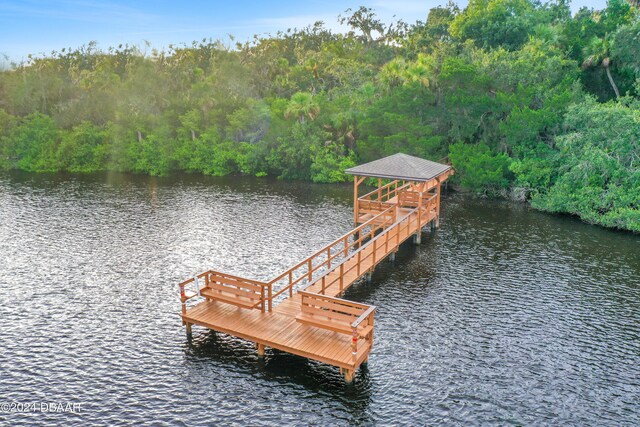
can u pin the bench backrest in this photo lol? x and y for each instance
(337, 310)
(233, 286)
(408, 198)
(372, 207)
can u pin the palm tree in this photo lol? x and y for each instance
(419, 71)
(398, 72)
(343, 130)
(597, 53)
(393, 72)
(301, 106)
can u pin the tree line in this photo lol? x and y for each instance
(526, 100)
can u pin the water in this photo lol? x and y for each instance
(503, 316)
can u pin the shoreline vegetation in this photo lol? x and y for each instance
(526, 101)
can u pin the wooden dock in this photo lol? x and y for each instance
(300, 311)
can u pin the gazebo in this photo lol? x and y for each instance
(413, 181)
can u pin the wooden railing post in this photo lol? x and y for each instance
(263, 308)
(270, 300)
(290, 284)
(341, 276)
(386, 243)
(354, 344)
(183, 299)
(197, 283)
(310, 266)
(359, 256)
(329, 257)
(374, 252)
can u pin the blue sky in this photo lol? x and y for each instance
(35, 26)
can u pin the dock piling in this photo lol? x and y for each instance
(367, 276)
(348, 375)
(417, 238)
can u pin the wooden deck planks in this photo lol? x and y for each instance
(289, 307)
(273, 330)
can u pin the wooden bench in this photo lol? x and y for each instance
(336, 314)
(373, 208)
(408, 198)
(234, 290)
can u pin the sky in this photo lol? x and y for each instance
(35, 26)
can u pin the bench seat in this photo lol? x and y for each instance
(230, 298)
(331, 324)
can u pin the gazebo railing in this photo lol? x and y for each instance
(386, 192)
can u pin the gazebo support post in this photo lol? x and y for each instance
(418, 237)
(355, 200)
(357, 180)
(438, 192)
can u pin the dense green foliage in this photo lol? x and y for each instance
(597, 166)
(526, 100)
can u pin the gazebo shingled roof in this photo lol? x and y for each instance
(400, 166)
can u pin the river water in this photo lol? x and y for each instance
(503, 316)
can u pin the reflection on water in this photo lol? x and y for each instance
(503, 316)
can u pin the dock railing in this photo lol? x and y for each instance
(238, 290)
(332, 254)
(386, 192)
(379, 199)
(408, 222)
(253, 294)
